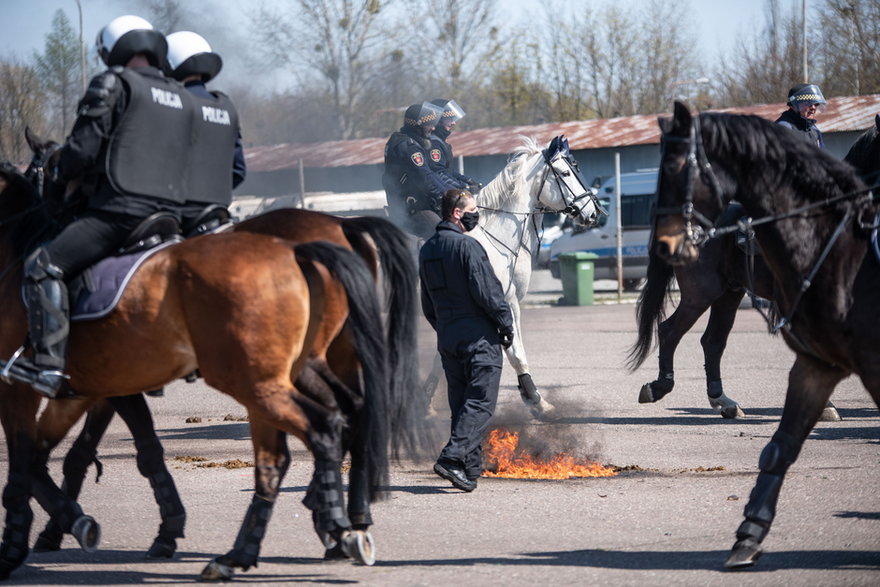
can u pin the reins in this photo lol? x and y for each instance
(707, 229)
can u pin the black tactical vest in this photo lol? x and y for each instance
(209, 178)
(148, 152)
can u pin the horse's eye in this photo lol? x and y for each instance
(565, 173)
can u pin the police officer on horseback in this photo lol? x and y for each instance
(413, 189)
(127, 148)
(441, 151)
(804, 101)
(217, 138)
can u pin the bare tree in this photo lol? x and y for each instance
(848, 48)
(22, 103)
(337, 39)
(58, 68)
(765, 64)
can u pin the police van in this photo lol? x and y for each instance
(637, 196)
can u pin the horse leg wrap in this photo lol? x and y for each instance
(775, 460)
(358, 498)
(328, 499)
(528, 391)
(151, 465)
(247, 544)
(714, 388)
(19, 517)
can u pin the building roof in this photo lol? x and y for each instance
(854, 113)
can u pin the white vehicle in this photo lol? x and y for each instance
(638, 194)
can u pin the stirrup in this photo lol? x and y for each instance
(48, 382)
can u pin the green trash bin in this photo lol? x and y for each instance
(577, 271)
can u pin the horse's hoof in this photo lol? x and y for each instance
(358, 544)
(215, 571)
(729, 408)
(542, 410)
(745, 553)
(829, 414)
(162, 548)
(646, 396)
(49, 539)
(87, 532)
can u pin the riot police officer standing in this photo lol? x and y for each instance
(441, 150)
(804, 101)
(412, 187)
(128, 146)
(464, 302)
(217, 138)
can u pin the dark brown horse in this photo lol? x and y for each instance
(298, 298)
(811, 216)
(717, 281)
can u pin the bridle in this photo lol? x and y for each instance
(706, 229)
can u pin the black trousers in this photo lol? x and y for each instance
(88, 239)
(473, 373)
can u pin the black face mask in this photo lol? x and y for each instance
(469, 220)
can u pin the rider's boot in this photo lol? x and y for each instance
(45, 296)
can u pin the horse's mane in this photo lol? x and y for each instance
(20, 198)
(511, 178)
(786, 159)
(863, 155)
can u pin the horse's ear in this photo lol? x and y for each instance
(681, 120)
(665, 124)
(877, 121)
(565, 147)
(33, 140)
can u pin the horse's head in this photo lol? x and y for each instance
(563, 188)
(41, 170)
(688, 192)
(864, 155)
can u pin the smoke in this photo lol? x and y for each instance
(552, 436)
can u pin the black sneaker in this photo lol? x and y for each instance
(455, 475)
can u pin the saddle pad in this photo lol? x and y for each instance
(104, 282)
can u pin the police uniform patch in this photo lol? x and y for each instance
(435, 155)
(417, 158)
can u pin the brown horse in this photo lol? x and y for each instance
(388, 250)
(166, 326)
(810, 214)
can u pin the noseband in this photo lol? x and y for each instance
(697, 161)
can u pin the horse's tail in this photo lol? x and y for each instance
(365, 324)
(651, 308)
(399, 280)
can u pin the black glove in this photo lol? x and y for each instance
(506, 339)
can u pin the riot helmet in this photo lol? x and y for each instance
(451, 110)
(806, 95)
(190, 54)
(127, 36)
(425, 116)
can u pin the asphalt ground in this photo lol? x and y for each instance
(667, 518)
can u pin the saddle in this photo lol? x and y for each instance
(96, 291)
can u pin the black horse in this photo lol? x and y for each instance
(727, 269)
(812, 218)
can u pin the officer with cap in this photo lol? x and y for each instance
(217, 137)
(412, 187)
(804, 101)
(441, 150)
(128, 146)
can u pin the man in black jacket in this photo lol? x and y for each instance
(463, 300)
(441, 151)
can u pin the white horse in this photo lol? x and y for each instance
(511, 208)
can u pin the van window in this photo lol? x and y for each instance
(636, 209)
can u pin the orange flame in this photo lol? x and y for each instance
(504, 461)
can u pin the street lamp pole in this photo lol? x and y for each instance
(82, 49)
